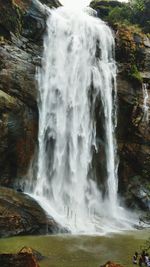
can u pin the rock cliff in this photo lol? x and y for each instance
(133, 130)
(22, 25)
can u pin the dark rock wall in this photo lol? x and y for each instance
(22, 24)
(133, 145)
(133, 131)
(133, 128)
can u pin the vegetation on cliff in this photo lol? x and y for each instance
(132, 25)
(130, 22)
(13, 15)
(135, 12)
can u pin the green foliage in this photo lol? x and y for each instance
(141, 13)
(135, 74)
(129, 20)
(133, 12)
(120, 14)
(138, 5)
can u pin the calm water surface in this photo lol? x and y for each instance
(80, 251)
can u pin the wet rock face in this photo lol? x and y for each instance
(22, 24)
(17, 144)
(133, 131)
(133, 145)
(21, 215)
(18, 113)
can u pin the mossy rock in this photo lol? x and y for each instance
(12, 13)
(10, 17)
(130, 50)
(135, 74)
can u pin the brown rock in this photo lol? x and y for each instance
(111, 264)
(38, 256)
(18, 260)
(133, 134)
(22, 215)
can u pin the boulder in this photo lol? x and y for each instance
(37, 255)
(18, 260)
(26, 257)
(22, 215)
(111, 264)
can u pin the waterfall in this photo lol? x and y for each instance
(78, 68)
(145, 103)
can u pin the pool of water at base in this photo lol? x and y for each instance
(80, 250)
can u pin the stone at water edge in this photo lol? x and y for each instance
(26, 257)
(22, 215)
(18, 260)
(38, 256)
(111, 264)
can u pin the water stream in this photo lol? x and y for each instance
(145, 103)
(78, 68)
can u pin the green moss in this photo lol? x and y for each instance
(130, 50)
(11, 16)
(135, 74)
(18, 18)
(6, 100)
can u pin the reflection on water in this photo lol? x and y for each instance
(80, 251)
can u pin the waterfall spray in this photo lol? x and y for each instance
(71, 79)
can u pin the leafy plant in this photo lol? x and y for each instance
(120, 14)
(135, 74)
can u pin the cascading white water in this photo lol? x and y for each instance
(71, 79)
(145, 103)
